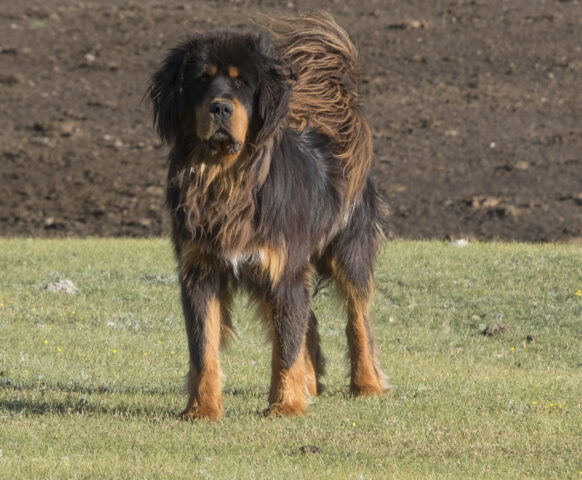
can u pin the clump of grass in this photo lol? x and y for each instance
(90, 384)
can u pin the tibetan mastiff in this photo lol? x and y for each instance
(268, 189)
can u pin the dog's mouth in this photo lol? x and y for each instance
(222, 141)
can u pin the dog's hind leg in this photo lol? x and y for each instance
(201, 300)
(365, 375)
(314, 360)
(350, 262)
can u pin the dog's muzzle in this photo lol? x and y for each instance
(222, 139)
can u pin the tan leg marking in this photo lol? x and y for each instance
(288, 389)
(273, 263)
(365, 375)
(310, 375)
(204, 387)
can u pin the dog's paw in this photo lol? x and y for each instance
(283, 410)
(198, 412)
(370, 390)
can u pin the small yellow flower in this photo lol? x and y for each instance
(552, 405)
(173, 353)
(512, 349)
(46, 342)
(145, 354)
(534, 403)
(353, 424)
(159, 342)
(578, 293)
(59, 349)
(114, 350)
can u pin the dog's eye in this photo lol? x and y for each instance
(239, 82)
(203, 78)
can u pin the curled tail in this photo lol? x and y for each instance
(325, 94)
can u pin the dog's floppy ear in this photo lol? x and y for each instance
(274, 89)
(166, 90)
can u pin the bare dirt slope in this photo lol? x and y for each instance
(476, 109)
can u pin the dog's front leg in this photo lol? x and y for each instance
(289, 309)
(202, 312)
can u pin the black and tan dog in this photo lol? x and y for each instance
(268, 186)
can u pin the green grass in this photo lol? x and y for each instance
(90, 384)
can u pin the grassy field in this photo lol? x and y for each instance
(90, 383)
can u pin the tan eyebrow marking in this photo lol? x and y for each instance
(232, 72)
(211, 70)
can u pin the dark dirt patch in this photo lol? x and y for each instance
(309, 449)
(497, 329)
(476, 109)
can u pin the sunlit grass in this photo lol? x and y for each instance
(90, 383)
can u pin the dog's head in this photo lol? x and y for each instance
(222, 90)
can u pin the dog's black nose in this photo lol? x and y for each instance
(221, 110)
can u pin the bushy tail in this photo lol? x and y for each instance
(325, 94)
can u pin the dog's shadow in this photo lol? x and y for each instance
(74, 399)
(39, 400)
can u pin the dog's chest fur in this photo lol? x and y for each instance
(216, 205)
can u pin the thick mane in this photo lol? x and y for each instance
(325, 94)
(216, 202)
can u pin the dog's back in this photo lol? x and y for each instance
(325, 94)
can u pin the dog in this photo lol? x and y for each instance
(268, 188)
